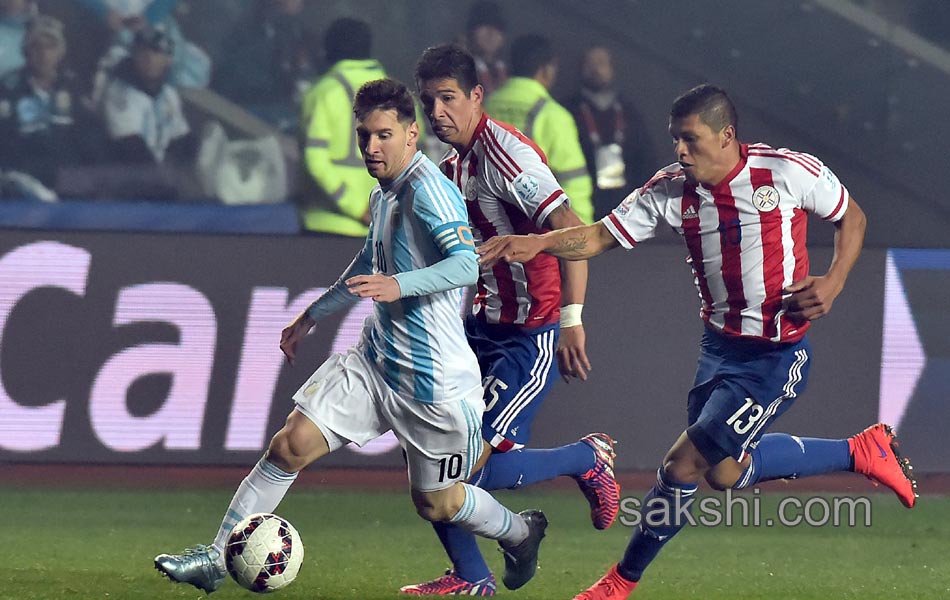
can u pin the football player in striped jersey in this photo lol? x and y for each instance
(412, 371)
(526, 321)
(742, 211)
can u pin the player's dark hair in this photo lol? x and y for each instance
(529, 53)
(348, 38)
(385, 94)
(711, 103)
(447, 61)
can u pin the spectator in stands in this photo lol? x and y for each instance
(14, 16)
(612, 133)
(267, 65)
(338, 200)
(45, 124)
(142, 110)
(191, 66)
(525, 102)
(485, 39)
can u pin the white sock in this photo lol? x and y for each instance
(482, 515)
(260, 492)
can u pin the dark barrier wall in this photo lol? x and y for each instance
(164, 349)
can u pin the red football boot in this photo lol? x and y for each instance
(875, 456)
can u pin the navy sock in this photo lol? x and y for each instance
(784, 456)
(663, 515)
(462, 549)
(517, 468)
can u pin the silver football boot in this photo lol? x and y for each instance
(200, 566)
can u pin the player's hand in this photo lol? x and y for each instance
(811, 298)
(379, 287)
(509, 248)
(572, 358)
(293, 333)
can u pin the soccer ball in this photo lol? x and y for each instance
(263, 553)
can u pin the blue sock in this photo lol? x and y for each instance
(517, 468)
(784, 456)
(661, 520)
(509, 470)
(462, 549)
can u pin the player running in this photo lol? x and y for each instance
(741, 208)
(412, 370)
(522, 312)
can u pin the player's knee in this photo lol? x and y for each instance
(434, 513)
(436, 507)
(297, 444)
(682, 470)
(722, 479)
(286, 455)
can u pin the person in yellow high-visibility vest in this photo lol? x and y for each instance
(526, 102)
(339, 200)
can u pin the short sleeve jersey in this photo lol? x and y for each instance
(746, 236)
(509, 189)
(419, 343)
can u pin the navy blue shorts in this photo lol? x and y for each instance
(741, 387)
(518, 368)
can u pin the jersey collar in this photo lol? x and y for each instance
(398, 181)
(475, 134)
(743, 158)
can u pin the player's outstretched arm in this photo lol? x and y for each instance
(572, 357)
(293, 333)
(573, 243)
(811, 298)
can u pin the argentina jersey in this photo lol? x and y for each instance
(418, 342)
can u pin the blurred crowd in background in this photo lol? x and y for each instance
(249, 102)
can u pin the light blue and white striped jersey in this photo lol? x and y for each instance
(419, 342)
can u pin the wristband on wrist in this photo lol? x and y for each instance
(571, 315)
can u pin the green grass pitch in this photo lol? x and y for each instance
(59, 544)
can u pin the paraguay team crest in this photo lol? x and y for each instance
(765, 198)
(471, 189)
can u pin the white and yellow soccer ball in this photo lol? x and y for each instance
(264, 553)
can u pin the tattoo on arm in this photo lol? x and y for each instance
(573, 245)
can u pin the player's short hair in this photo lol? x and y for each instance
(447, 61)
(385, 94)
(529, 53)
(348, 38)
(711, 103)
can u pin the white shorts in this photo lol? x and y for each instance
(348, 399)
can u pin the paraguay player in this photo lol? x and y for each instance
(742, 212)
(525, 315)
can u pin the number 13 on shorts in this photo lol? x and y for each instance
(746, 417)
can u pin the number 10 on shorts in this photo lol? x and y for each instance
(450, 468)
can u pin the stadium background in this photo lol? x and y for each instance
(145, 336)
(882, 353)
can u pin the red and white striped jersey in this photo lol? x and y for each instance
(509, 189)
(746, 236)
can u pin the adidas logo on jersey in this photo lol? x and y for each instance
(690, 213)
